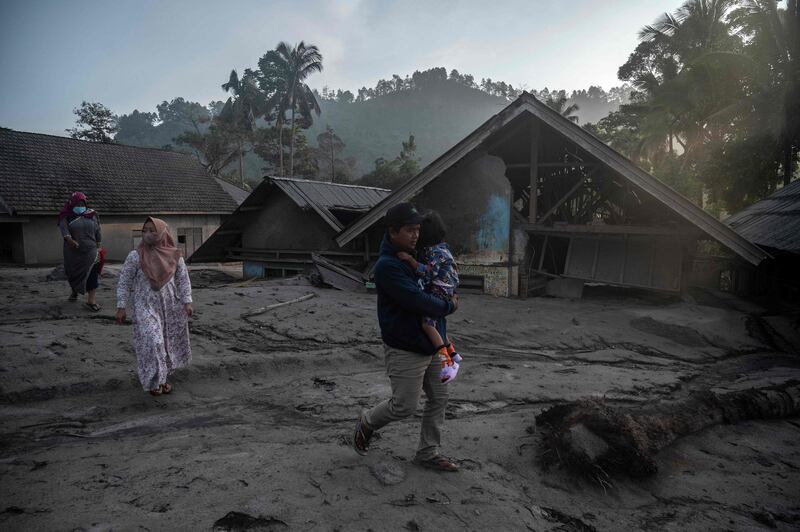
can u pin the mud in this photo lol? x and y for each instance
(255, 434)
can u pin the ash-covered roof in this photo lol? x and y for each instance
(234, 191)
(773, 222)
(328, 197)
(335, 196)
(335, 203)
(39, 172)
(528, 104)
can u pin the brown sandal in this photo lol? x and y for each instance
(362, 436)
(157, 391)
(166, 388)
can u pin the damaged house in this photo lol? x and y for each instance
(275, 231)
(124, 184)
(531, 199)
(773, 224)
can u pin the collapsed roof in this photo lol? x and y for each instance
(527, 112)
(337, 204)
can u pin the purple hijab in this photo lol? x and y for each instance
(76, 198)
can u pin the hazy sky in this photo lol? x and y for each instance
(134, 54)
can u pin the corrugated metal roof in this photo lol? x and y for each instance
(773, 222)
(332, 196)
(323, 198)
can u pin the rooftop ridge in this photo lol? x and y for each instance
(89, 142)
(298, 180)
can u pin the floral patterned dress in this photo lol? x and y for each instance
(160, 324)
(438, 275)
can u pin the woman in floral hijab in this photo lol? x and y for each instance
(154, 282)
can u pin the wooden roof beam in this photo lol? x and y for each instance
(567, 196)
(552, 165)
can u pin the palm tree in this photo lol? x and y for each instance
(773, 54)
(697, 27)
(273, 76)
(686, 87)
(739, 67)
(558, 103)
(291, 65)
(239, 113)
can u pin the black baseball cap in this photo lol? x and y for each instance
(403, 214)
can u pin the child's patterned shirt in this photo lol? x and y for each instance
(439, 273)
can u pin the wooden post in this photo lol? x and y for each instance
(541, 255)
(534, 170)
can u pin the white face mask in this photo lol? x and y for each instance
(151, 239)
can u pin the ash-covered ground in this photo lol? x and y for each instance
(260, 423)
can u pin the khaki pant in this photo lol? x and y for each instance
(411, 374)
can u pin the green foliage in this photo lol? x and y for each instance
(741, 171)
(135, 128)
(329, 149)
(306, 162)
(95, 122)
(439, 114)
(620, 130)
(269, 143)
(173, 119)
(282, 74)
(558, 103)
(717, 110)
(440, 108)
(180, 111)
(669, 169)
(236, 120)
(391, 174)
(215, 148)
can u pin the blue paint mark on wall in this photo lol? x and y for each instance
(494, 225)
(252, 269)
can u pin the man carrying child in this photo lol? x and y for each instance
(411, 358)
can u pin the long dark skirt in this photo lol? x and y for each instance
(78, 266)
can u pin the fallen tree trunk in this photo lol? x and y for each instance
(592, 438)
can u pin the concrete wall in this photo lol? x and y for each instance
(496, 279)
(281, 224)
(43, 243)
(474, 199)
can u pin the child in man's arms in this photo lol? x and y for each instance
(439, 277)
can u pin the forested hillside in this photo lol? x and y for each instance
(435, 108)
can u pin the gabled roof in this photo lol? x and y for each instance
(236, 193)
(39, 172)
(527, 103)
(325, 198)
(773, 222)
(329, 200)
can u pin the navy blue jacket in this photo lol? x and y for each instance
(402, 304)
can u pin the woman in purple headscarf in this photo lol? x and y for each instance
(80, 228)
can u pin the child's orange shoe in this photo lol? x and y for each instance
(451, 351)
(449, 368)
